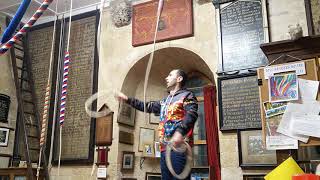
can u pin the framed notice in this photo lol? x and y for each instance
(176, 21)
(242, 31)
(239, 103)
(252, 152)
(4, 107)
(146, 137)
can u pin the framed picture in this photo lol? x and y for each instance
(157, 152)
(239, 102)
(4, 136)
(146, 136)
(313, 16)
(153, 176)
(253, 176)
(127, 160)
(252, 152)
(4, 107)
(148, 150)
(126, 114)
(126, 137)
(153, 119)
(176, 21)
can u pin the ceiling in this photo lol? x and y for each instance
(9, 7)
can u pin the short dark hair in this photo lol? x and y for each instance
(184, 76)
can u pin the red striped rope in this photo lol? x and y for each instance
(6, 46)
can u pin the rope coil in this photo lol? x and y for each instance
(185, 147)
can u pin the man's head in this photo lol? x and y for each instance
(176, 77)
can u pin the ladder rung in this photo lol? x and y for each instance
(27, 101)
(24, 79)
(21, 69)
(27, 90)
(32, 136)
(19, 57)
(29, 124)
(30, 113)
(19, 45)
(20, 49)
(34, 149)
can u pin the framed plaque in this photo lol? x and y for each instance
(239, 103)
(4, 107)
(242, 32)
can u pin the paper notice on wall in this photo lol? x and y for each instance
(308, 90)
(308, 125)
(275, 140)
(307, 108)
(298, 68)
(102, 172)
(281, 142)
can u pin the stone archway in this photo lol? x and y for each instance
(165, 60)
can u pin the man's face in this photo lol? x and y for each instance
(172, 79)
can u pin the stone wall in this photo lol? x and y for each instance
(7, 87)
(77, 127)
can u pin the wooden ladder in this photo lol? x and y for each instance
(28, 121)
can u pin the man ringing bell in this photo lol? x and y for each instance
(178, 114)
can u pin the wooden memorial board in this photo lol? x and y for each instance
(242, 32)
(238, 98)
(4, 107)
(176, 21)
(312, 73)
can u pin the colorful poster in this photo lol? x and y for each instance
(274, 108)
(283, 88)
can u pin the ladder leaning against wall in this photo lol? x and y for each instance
(28, 121)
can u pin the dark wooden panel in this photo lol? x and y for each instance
(241, 35)
(239, 102)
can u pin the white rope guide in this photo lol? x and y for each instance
(61, 127)
(146, 78)
(47, 93)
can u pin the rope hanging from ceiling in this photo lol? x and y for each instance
(64, 87)
(47, 94)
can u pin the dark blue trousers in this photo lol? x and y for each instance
(178, 161)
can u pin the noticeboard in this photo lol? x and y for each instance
(242, 32)
(4, 107)
(238, 98)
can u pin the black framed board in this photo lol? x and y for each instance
(242, 32)
(239, 102)
(4, 107)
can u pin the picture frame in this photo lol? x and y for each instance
(157, 149)
(126, 137)
(4, 137)
(253, 176)
(313, 16)
(252, 152)
(148, 150)
(127, 160)
(153, 176)
(153, 118)
(146, 136)
(239, 102)
(176, 21)
(4, 107)
(126, 114)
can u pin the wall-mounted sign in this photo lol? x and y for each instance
(242, 32)
(4, 107)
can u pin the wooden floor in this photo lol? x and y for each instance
(21, 173)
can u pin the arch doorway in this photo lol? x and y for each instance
(166, 60)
